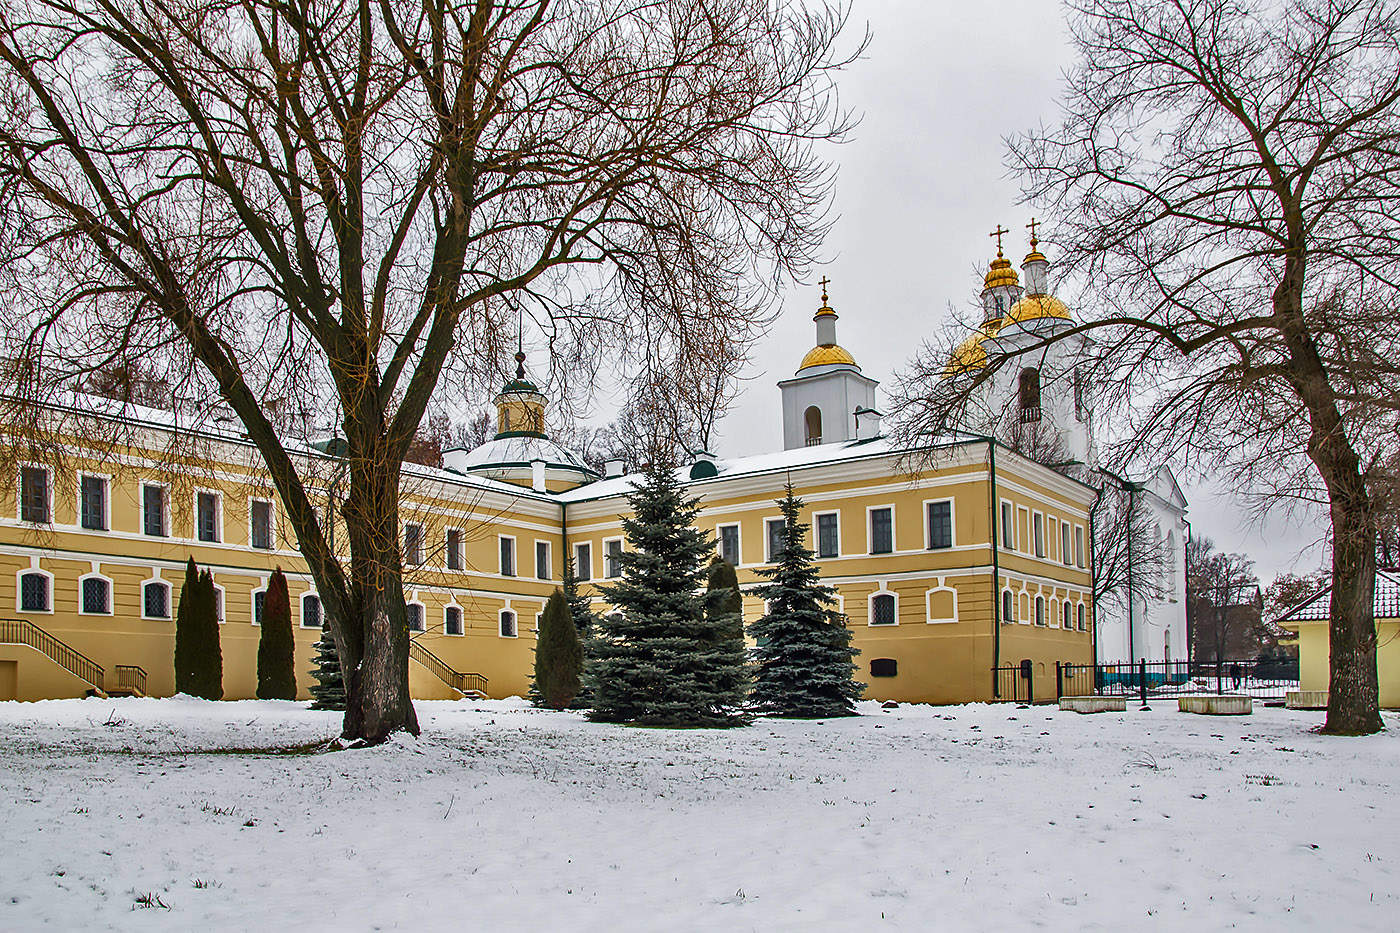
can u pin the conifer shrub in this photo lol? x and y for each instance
(558, 656)
(211, 655)
(199, 666)
(806, 664)
(328, 691)
(276, 665)
(659, 659)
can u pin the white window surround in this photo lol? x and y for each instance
(447, 549)
(111, 593)
(738, 540)
(218, 515)
(19, 595)
(621, 546)
(253, 602)
(1038, 546)
(942, 587)
(584, 573)
(952, 523)
(501, 621)
(870, 608)
(1039, 611)
(19, 494)
(816, 534)
(548, 559)
(422, 613)
(1007, 506)
(106, 500)
(514, 556)
(271, 523)
(1079, 547)
(1007, 593)
(768, 537)
(461, 620)
(220, 602)
(1025, 607)
(169, 598)
(870, 531)
(301, 609)
(1023, 519)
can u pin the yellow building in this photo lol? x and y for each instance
(949, 561)
(1310, 620)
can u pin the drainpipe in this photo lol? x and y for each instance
(996, 571)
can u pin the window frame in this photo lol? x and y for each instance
(1067, 617)
(461, 620)
(870, 511)
(408, 606)
(870, 608)
(218, 498)
(952, 524)
(48, 497)
(301, 610)
(82, 596)
(164, 517)
(254, 610)
(1008, 525)
(1008, 606)
(169, 599)
(502, 551)
(253, 503)
(1079, 551)
(548, 562)
(816, 528)
(220, 603)
(584, 575)
(768, 537)
(454, 549)
(929, 617)
(738, 542)
(19, 590)
(1038, 533)
(612, 561)
(416, 554)
(1039, 611)
(514, 625)
(105, 482)
(1066, 543)
(1079, 616)
(1023, 520)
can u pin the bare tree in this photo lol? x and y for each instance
(1129, 557)
(323, 205)
(1227, 188)
(1225, 618)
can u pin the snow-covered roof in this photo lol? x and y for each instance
(1317, 607)
(518, 450)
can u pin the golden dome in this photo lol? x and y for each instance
(824, 355)
(1034, 255)
(1032, 307)
(1001, 273)
(970, 354)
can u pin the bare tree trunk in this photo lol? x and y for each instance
(1353, 696)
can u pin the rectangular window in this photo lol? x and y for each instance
(454, 549)
(774, 527)
(156, 599)
(1066, 552)
(93, 497)
(507, 557)
(33, 593)
(881, 531)
(940, 524)
(260, 524)
(97, 596)
(452, 621)
(207, 516)
(413, 544)
(259, 600)
(1038, 533)
(508, 624)
(882, 609)
(153, 511)
(1079, 545)
(542, 561)
(34, 495)
(612, 559)
(583, 561)
(729, 543)
(1008, 527)
(828, 536)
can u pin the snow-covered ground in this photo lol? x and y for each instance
(505, 817)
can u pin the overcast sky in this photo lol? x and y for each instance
(921, 184)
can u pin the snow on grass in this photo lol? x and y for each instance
(184, 814)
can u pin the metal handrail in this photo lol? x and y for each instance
(24, 632)
(131, 677)
(463, 682)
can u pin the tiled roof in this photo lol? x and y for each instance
(1316, 608)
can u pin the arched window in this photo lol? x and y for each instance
(1081, 616)
(1040, 610)
(1169, 565)
(882, 609)
(311, 616)
(95, 594)
(414, 613)
(508, 629)
(452, 620)
(34, 592)
(812, 420)
(1068, 622)
(155, 600)
(1030, 394)
(1008, 607)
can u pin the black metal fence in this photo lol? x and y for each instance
(1261, 678)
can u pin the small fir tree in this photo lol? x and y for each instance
(659, 659)
(211, 654)
(199, 666)
(805, 659)
(581, 611)
(328, 692)
(276, 668)
(558, 656)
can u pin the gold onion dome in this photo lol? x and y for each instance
(970, 354)
(826, 352)
(822, 356)
(1034, 307)
(1001, 273)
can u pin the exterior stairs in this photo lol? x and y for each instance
(24, 632)
(469, 685)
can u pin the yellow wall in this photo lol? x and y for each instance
(1315, 656)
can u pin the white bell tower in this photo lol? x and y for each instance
(821, 401)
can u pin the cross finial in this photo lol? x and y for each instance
(999, 232)
(1033, 224)
(824, 283)
(519, 346)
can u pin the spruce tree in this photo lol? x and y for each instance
(328, 692)
(211, 655)
(658, 659)
(188, 634)
(558, 656)
(276, 668)
(580, 605)
(805, 658)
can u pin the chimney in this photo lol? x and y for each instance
(867, 423)
(612, 469)
(537, 475)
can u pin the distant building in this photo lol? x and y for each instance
(1311, 620)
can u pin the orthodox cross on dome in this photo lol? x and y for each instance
(519, 346)
(999, 232)
(825, 310)
(1032, 225)
(824, 283)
